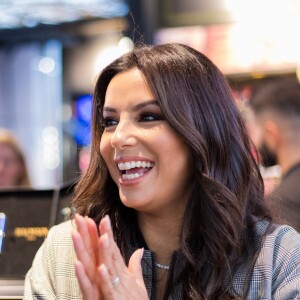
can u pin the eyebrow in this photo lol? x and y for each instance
(135, 108)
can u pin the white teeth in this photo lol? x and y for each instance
(125, 166)
(131, 176)
(121, 166)
(134, 164)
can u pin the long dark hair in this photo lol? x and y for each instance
(227, 188)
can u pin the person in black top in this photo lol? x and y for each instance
(277, 109)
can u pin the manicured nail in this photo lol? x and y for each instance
(107, 223)
(103, 270)
(105, 240)
(79, 218)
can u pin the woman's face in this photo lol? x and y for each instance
(10, 167)
(145, 157)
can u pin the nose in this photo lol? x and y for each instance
(124, 135)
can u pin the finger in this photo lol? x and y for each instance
(108, 257)
(110, 253)
(135, 266)
(85, 227)
(82, 227)
(83, 255)
(116, 256)
(105, 226)
(92, 229)
(106, 229)
(106, 283)
(87, 288)
(105, 251)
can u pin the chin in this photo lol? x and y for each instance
(135, 202)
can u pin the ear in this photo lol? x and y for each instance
(272, 135)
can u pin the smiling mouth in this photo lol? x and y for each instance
(134, 169)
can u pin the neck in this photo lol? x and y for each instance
(161, 235)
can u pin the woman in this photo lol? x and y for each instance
(13, 170)
(172, 180)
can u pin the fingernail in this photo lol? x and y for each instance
(105, 241)
(78, 218)
(142, 253)
(107, 223)
(103, 270)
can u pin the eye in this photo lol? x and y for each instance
(109, 122)
(149, 117)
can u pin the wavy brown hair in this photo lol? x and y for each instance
(227, 188)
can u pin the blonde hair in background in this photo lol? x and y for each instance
(7, 138)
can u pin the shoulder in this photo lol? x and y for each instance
(277, 236)
(59, 242)
(58, 245)
(52, 274)
(276, 271)
(65, 227)
(277, 241)
(61, 232)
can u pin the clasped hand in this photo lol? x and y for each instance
(100, 268)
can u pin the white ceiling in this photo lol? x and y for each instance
(30, 13)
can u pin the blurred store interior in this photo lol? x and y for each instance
(51, 52)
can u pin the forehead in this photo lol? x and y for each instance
(128, 86)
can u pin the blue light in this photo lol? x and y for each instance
(2, 229)
(84, 108)
(82, 131)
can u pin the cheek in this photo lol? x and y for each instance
(107, 153)
(177, 155)
(15, 171)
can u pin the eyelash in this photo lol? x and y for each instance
(107, 122)
(144, 117)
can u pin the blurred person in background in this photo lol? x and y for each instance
(13, 169)
(277, 108)
(269, 168)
